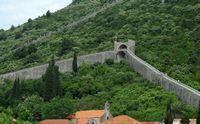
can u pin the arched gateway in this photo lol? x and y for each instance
(121, 49)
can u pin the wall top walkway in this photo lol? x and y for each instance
(164, 75)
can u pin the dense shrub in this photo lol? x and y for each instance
(30, 108)
(66, 46)
(90, 88)
(24, 51)
(3, 36)
(58, 108)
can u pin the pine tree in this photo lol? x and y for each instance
(51, 81)
(15, 91)
(168, 115)
(48, 14)
(74, 63)
(198, 114)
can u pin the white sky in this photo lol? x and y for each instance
(15, 12)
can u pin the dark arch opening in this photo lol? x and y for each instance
(122, 46)
(121, 54)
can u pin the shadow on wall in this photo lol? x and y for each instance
(121, 54)
(122, 46)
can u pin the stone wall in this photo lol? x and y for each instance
(64, 66)
(183, 92)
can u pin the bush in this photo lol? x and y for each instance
(3, 36)
(24, 51)
(57, 108)
(66, 46)
(123, 78)
(18, 34)
(30, 109)
(109, 61)
(32, 58)
(5, 119)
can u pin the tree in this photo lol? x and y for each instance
(168, 115)
(57, 108)
(74, 63)
(32, 58)
(198, 115)
(48, 14)
(51, 81)
(29, 20)
(31, 49)
(12, 27)
(66, 46)
(5, 119)
(15, 91)
(20, 53)
(30, 109)
(76, 1)
(25, 51)
(18, 34)
(3, 36)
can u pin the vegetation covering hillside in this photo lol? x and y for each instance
(90, 88)
(15, 54)
(167, 35)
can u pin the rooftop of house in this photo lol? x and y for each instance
(87, 114)
(122, 119)
(83, 116)
(57, 121)
(150, 123)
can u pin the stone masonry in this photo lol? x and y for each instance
(123, 51)
(64, 66)
(183, 92)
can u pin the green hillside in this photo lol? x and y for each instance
(93, 85)
(167, 35)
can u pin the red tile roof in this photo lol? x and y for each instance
(71, 116)
(149, 122)
(83, 116)
(122, 119)
(58, 121)
(89, 114)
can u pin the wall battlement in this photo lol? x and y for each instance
(122, 51)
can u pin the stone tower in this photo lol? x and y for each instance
(121, 49)
(107, 110)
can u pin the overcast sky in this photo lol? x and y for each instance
(15, 12)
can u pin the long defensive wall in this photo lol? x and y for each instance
(122, 51)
